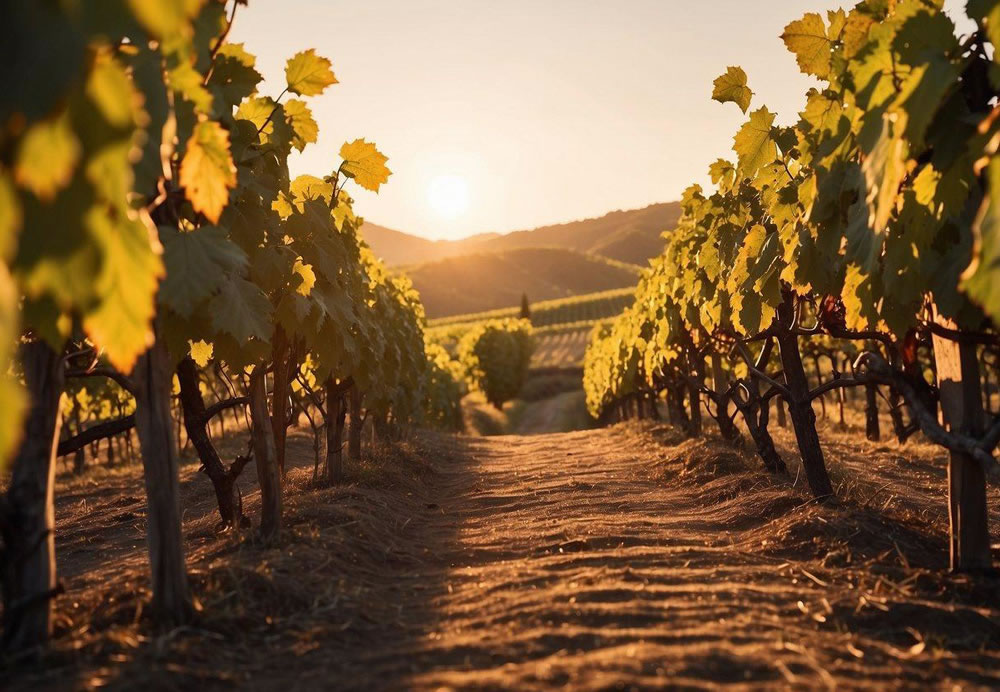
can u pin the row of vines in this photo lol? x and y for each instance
(865, 234)
(160, 268)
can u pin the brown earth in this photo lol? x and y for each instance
(621, 558)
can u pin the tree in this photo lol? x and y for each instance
(496, 356)
(525, 308)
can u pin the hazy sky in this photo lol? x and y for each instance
(539, 111)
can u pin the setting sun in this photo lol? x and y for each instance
(448, 196)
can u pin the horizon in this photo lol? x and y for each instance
(608, 83)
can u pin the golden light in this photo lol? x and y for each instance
(448, 195)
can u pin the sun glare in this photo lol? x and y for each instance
(448, 195)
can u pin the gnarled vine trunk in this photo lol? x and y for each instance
(694, 395)
(802, 415)
(153, 378)
(872, 428)
(720, 382)
(27, 517)
(195, 423)
(354, 431)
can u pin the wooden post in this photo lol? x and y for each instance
(335, 412)
(28, 564)
(153, 379)
(265, 456)
(962, 410)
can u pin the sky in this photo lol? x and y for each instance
(505, 115)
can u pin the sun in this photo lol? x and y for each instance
(448, 195)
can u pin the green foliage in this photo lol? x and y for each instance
(443, 390)
(145, 176)
(880, 199)
(496, 356)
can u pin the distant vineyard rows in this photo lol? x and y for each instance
(584, 308)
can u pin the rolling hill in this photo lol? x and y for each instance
(492, 280)
(631, 236)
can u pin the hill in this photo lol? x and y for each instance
(493, 280)
(631, 236)
(398, 248)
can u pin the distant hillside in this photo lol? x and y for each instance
(492, 280)
(628, 236)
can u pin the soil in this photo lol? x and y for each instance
(619, 558)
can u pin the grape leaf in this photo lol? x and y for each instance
(197, 263)
(807, 39)
(753, 144)
(884, 171)
(201, 352)
(722, 171)
(120, 324)
(241, 310)
(187, 81)
(364, 163)
(308, 74)
(207, 171)
(982, 278)
(12, 398)
(10, 215)
(47, 156)
(233, 75)
(165, 18)
(304, 277)
(300, 119)
(309, 187)
(732, 87)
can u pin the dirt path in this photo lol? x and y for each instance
(586, 560)
(621, 558)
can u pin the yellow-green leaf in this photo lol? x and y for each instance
(732, 86)
(754, 144)
(165, 18)
(10, 215)
(364, 163)
(300, 119)
(12, 399)
(306, 277)
(187, 81)
(807, 39)
(207, 171)
(47, 156)
(308, 74)
(201, 352)
(306, 187)
(132, 267)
